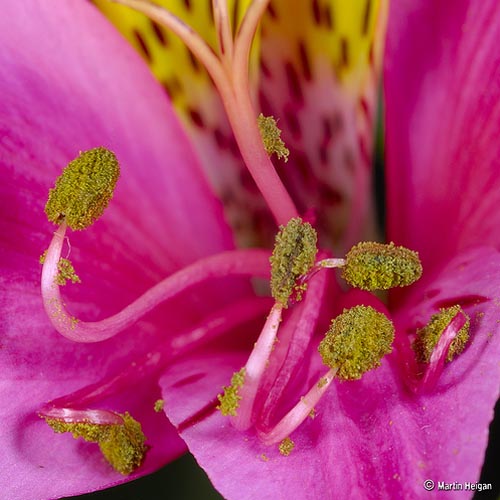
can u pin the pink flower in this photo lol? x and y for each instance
(382, 435)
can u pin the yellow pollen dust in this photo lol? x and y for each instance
(121, 444)
(428, 336)
(286, 446)
(271, 137)
(356, 341)
(84, 189)
(378, 266)
(159, 404)
(65, 272)
(230, 400)
(293, 256)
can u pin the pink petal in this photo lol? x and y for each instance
(68, 83)
(442, 88)
(320, 69)
(372, 438)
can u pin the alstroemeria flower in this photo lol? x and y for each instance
(374, 437)
(380, 436)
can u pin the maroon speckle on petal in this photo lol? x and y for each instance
(199, 416)
(142, 43)
(304, 61)
(294, 83)
(158, 31)
(366, 18)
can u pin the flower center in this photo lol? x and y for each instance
(357, 339)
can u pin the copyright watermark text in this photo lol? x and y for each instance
(431, 485)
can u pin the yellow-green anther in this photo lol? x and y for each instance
(121, 444)
(84, 189)
(356, 341)
(378, 266)
(230, 399)
(293, 256)
(65, 272)
(271, 137)
(428, 336)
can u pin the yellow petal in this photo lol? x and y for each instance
(195, 98)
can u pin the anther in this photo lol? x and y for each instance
(84, 189)
(122, 444)
(356, 341)
(293, 256)
(428, 336)
(271, 137)
(378, 266)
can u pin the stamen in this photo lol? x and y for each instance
(120, 439)
(271, 136)
(300, 412)
(293, 256)
(429, 336)
(254, 369)
(232, 263)
(84, 189)
(377, 266)
(356, 341)
(230, 399)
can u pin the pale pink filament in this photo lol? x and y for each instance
(255, 367)
(300, 411)
(231, 263)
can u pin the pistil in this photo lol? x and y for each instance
(229, 72)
